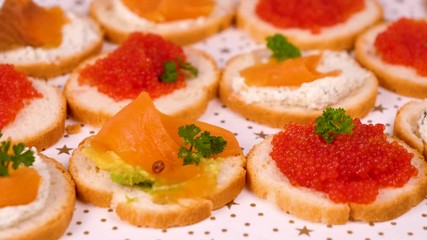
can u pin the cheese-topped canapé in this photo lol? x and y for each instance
(317, 94)
(13, 214)
(221, 7)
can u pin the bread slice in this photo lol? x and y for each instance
(89, 105)
(406, 124)
(397, 78)
(119, 22)
(81, 38)
(338, 37)
(95, 186)
(267, 181)
(40, 123)
(277, 106)
(53, 219)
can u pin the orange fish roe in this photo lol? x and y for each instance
(307, 14)
(134, 67)
(351, 169)
(16, 91)
(405, 43)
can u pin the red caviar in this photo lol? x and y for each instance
(307, 14)
(405, 43)
(350, 169)
(16, 91)
(134, 67)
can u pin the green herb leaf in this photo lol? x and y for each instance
(333, 122)
(170, 74)
(201, 145)
(281, 48)
(16, 158)
(190, 68)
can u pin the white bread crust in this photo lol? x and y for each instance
(53, 220)
(119, 22)
(338, 37)
(89, 105)
(400, 79)
(267, 181)
(81, 38)
(40, 123)
(95, 186)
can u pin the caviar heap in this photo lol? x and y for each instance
(353, 168)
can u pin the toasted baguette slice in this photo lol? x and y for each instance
(406, 125)
(81, 38)
(276, 106)
(338, 37)
(119, 22)
(397, 78)
(89, 105)
(53, 219)
(95, 186)
(40, 123)
(268, 182)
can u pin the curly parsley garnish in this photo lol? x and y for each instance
(14, 158)
(333, 122)
(170, 73)
(201, 145)
(281, 48)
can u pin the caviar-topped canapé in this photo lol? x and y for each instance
(24, 23)
(307, 14)
(352, 167)
(170, 10)
(17, 90)
(404, 42)
(144, 62)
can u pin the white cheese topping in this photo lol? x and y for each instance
(14, 214)
(422, 125)
(222, 7)
(317, 94)
(77, 34)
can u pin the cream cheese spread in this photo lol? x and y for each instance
(317, 94)
(76, 36)
(13, 214)
(222, 7)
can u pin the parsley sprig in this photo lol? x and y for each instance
(202, 145)
(14, 158)
(170, 73)
(282, 49)
(333, 122)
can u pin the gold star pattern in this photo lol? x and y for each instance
(304, 231)
(64, 149)
(231, 204)
(261, 135)
(379, 108)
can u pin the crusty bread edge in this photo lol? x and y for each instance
(51, 135)
(194, 212)
(373, 212)
(184, 37)
(401, 132)
(259, 113)
(387, 79)
(98, 118)
(340, 42)
(55, 227)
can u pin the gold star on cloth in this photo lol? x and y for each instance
(231, 204)
(64, 149)
(379, 108)
(304, 231)
(261, 135)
